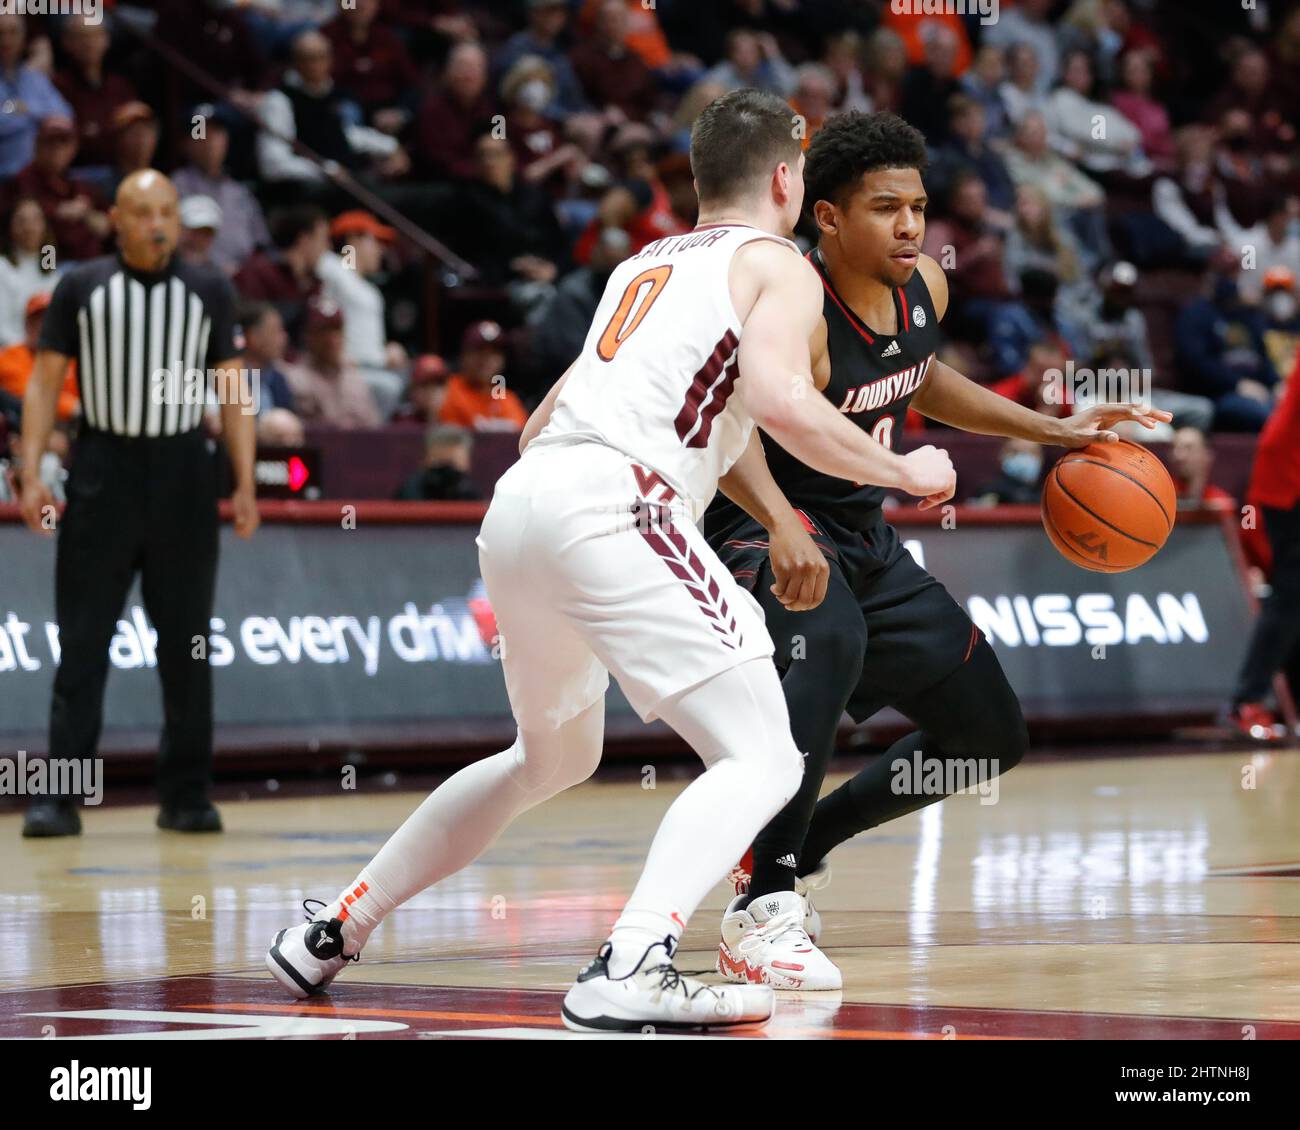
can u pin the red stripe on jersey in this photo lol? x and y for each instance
(902, 305)
(701, 384)
(853, 319)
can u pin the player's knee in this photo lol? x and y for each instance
(784, 772)
(836, 647)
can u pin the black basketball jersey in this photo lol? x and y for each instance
(873, 378)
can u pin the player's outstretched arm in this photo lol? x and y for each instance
(956, 400)
(777, 386)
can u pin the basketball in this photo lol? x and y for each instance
(1109, 507)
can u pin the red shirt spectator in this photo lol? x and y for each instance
(611, 74)
(371, 64)
(452, 118)
(77, 211)
(93, 93)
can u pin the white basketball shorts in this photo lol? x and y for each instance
(593, 565)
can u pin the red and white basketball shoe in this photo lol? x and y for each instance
(766, 943)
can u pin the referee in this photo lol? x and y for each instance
(147, 331)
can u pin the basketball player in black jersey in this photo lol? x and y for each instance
(886, 633)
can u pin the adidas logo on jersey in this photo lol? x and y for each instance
(788, 861)
(891, 349)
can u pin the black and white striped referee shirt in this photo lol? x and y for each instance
(145, 344)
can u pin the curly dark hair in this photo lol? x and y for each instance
(854, 143)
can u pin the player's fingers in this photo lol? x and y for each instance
(807, 584)
(822, 582)
(780, 578)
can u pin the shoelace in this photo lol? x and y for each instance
(670, 977)
(320, 904)
(774, 928)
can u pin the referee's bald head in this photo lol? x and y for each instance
(146, 217)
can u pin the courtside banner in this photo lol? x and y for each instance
(371, 624)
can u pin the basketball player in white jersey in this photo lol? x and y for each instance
(593, 563)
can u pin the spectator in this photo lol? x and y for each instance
(1073, 115)
(1251, 91)
(1040, 384)
(754, 60)
(1190, 460)
(543, 38)
(426, 392)
(17, 362)
(265, 342)
(1115, 329)
(927, 89)
(1020, 466)
(77, 211)
(29, 98)
(1272, 243)
(982, 84)
(1079, 198)
(327, 388)
(216, 34)
(886, 69)
(610, 73)
(843, 56)
(541, 155)
(560, 325)
(1184, 201)
(1021, 93)
(813, 97)
(92, 92)
(286, 274)
(1150, 117)
(361, 240)
(1221, 352)
(244, 229)
(967, 147)
(445, 474)
(982, 298)
(309, 108)
(371, 65)
(477, 396)
(134, 131)
(453, 117)
(1037, 242)
(1281, 320)
(27, 267)
(200, 222)
(504, 226)
(1027, 23)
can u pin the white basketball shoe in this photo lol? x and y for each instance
(767, 943)
(817, 881)
(306, 958)
(656, 996)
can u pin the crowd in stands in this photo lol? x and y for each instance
(1114, 183)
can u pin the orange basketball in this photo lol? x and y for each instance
(1109, 506)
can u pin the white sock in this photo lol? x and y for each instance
(737, 722)
(637, 929)
(461, 818)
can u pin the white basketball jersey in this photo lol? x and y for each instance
(657, 372)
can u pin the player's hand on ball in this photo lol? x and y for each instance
(929, 472)
(799, 568)
(1093, 424)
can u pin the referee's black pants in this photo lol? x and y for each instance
(1276, 634)
(146, 505)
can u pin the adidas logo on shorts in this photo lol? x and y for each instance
(788, 861)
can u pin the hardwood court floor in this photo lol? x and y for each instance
(1104, 898)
